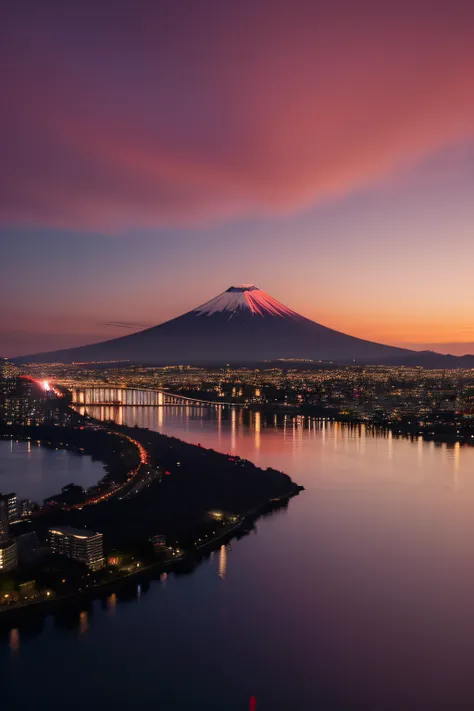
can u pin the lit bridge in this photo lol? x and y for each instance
(131, 397)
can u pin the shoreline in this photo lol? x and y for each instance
(446, 434)
(12, 616)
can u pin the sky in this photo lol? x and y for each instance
(155, 153)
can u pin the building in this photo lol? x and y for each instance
(3, 520)
(25, 508)
(8, 371)
(24, 411)
(10, 502)
(79, 544)
(8, 555)
(7, 387)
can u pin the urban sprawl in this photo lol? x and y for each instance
(46, 549)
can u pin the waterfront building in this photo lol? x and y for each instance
(10, 502)
(8, 555)
(3, 520)
(78, 544)
(114, 559)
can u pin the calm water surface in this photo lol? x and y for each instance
(35, 472)
(359, 596)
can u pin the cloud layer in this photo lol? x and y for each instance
(162, 112)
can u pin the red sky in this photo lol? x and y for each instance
(321, 149)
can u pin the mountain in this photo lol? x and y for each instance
(243, 325)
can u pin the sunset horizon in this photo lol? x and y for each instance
(117, 329)
(321, 151)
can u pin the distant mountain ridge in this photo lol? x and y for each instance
(244, 325)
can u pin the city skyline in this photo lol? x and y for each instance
(322, 152)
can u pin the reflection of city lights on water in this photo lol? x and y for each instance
(223, 562)
(139, 590)
(83, 622)
(419, 451)
(14, 640)
(456, 455)
(219, 423)
(233, 427)
(163, 577)
(112, 603)
(258, 426)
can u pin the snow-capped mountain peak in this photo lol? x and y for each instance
(245, 297)
(243, 325)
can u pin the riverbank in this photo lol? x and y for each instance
(14, 615)
(408, 427)
(191, 501)
(120, 456)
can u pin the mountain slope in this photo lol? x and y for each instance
(241, 325)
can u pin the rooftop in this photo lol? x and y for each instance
(76, 532)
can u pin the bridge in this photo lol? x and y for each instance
(132, 397)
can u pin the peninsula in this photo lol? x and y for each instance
(160, 500)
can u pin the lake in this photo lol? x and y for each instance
(357, 597)
(35, 472)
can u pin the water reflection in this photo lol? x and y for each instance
(257, 426)
(36, 472)
(14, 640)
(370, 568)
(112, 603)
(456, 463)
(317, 452)
(223, 562)
(83, 622)
(233, 429)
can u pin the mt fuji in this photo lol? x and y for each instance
(243, 325)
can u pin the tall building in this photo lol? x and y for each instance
(79, 544)
(8, 549)
(24, 508)
(11, 504)
(23, 410)
(8, 555)
(3, 520)
(7, 387)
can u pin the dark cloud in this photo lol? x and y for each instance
(131, 326)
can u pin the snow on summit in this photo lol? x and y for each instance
(241, 325)
(245, 297)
